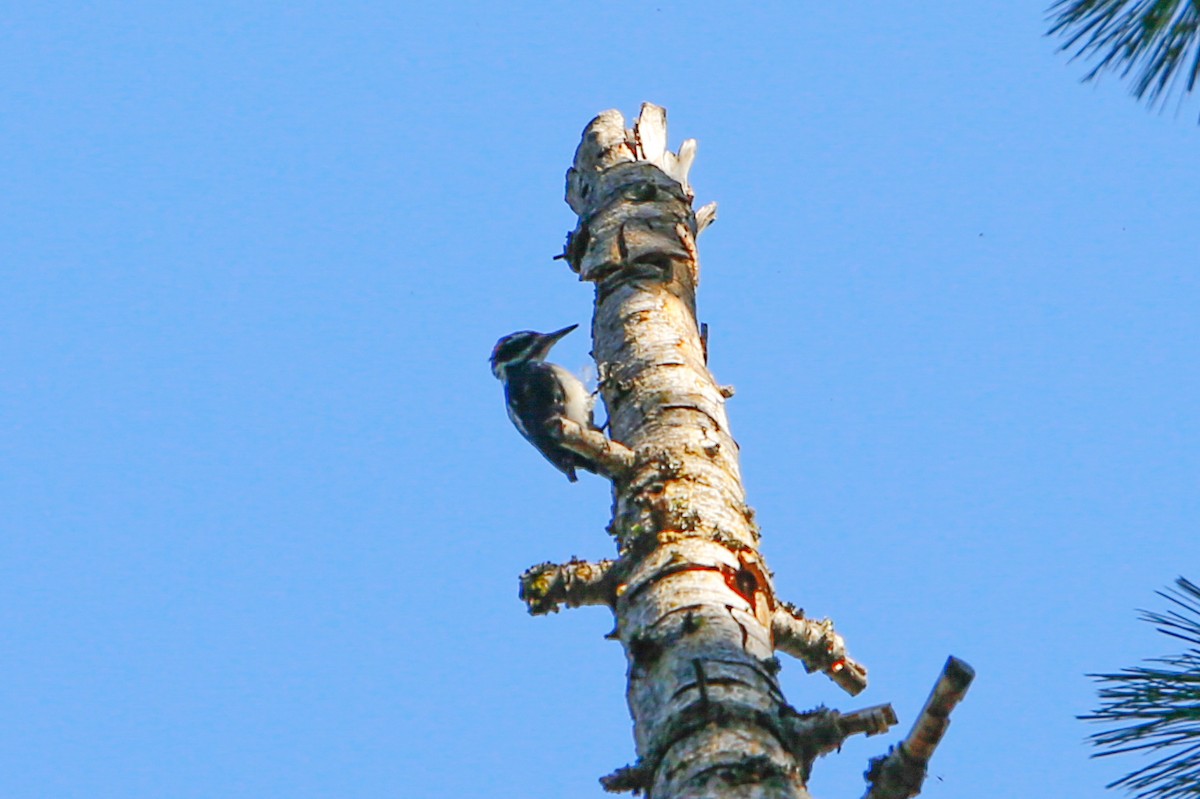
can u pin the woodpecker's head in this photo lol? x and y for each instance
(526, 346)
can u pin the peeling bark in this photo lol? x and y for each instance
(694, 601)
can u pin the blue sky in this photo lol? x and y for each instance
(262, 510)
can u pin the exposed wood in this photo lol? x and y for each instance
(705, 217)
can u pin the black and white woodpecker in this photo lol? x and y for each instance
(536, 392)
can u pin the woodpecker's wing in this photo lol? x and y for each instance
(544, 391)
(576, 402)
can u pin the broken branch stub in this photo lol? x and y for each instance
(818, 647)
(901, 772)
(612, 459)
(578, 582)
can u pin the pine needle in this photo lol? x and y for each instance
(1157, 707)
(1155, 41)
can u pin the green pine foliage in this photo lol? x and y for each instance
(1153, 40)
(1156, 708)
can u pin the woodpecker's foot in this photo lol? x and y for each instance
(578, 582)
(817, 646)
(609, 458)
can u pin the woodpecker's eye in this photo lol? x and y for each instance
(510, 347)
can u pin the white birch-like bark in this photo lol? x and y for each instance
(695, 607)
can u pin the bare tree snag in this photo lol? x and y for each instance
(695, 606)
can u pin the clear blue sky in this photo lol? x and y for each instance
(262, 512)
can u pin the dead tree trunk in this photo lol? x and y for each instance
(695, 607)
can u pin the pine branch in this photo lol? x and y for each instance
(1157, 707)
(1156, 41)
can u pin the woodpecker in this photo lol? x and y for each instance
(536, 392)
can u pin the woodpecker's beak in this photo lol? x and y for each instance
(557, 334)
(550, 339)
